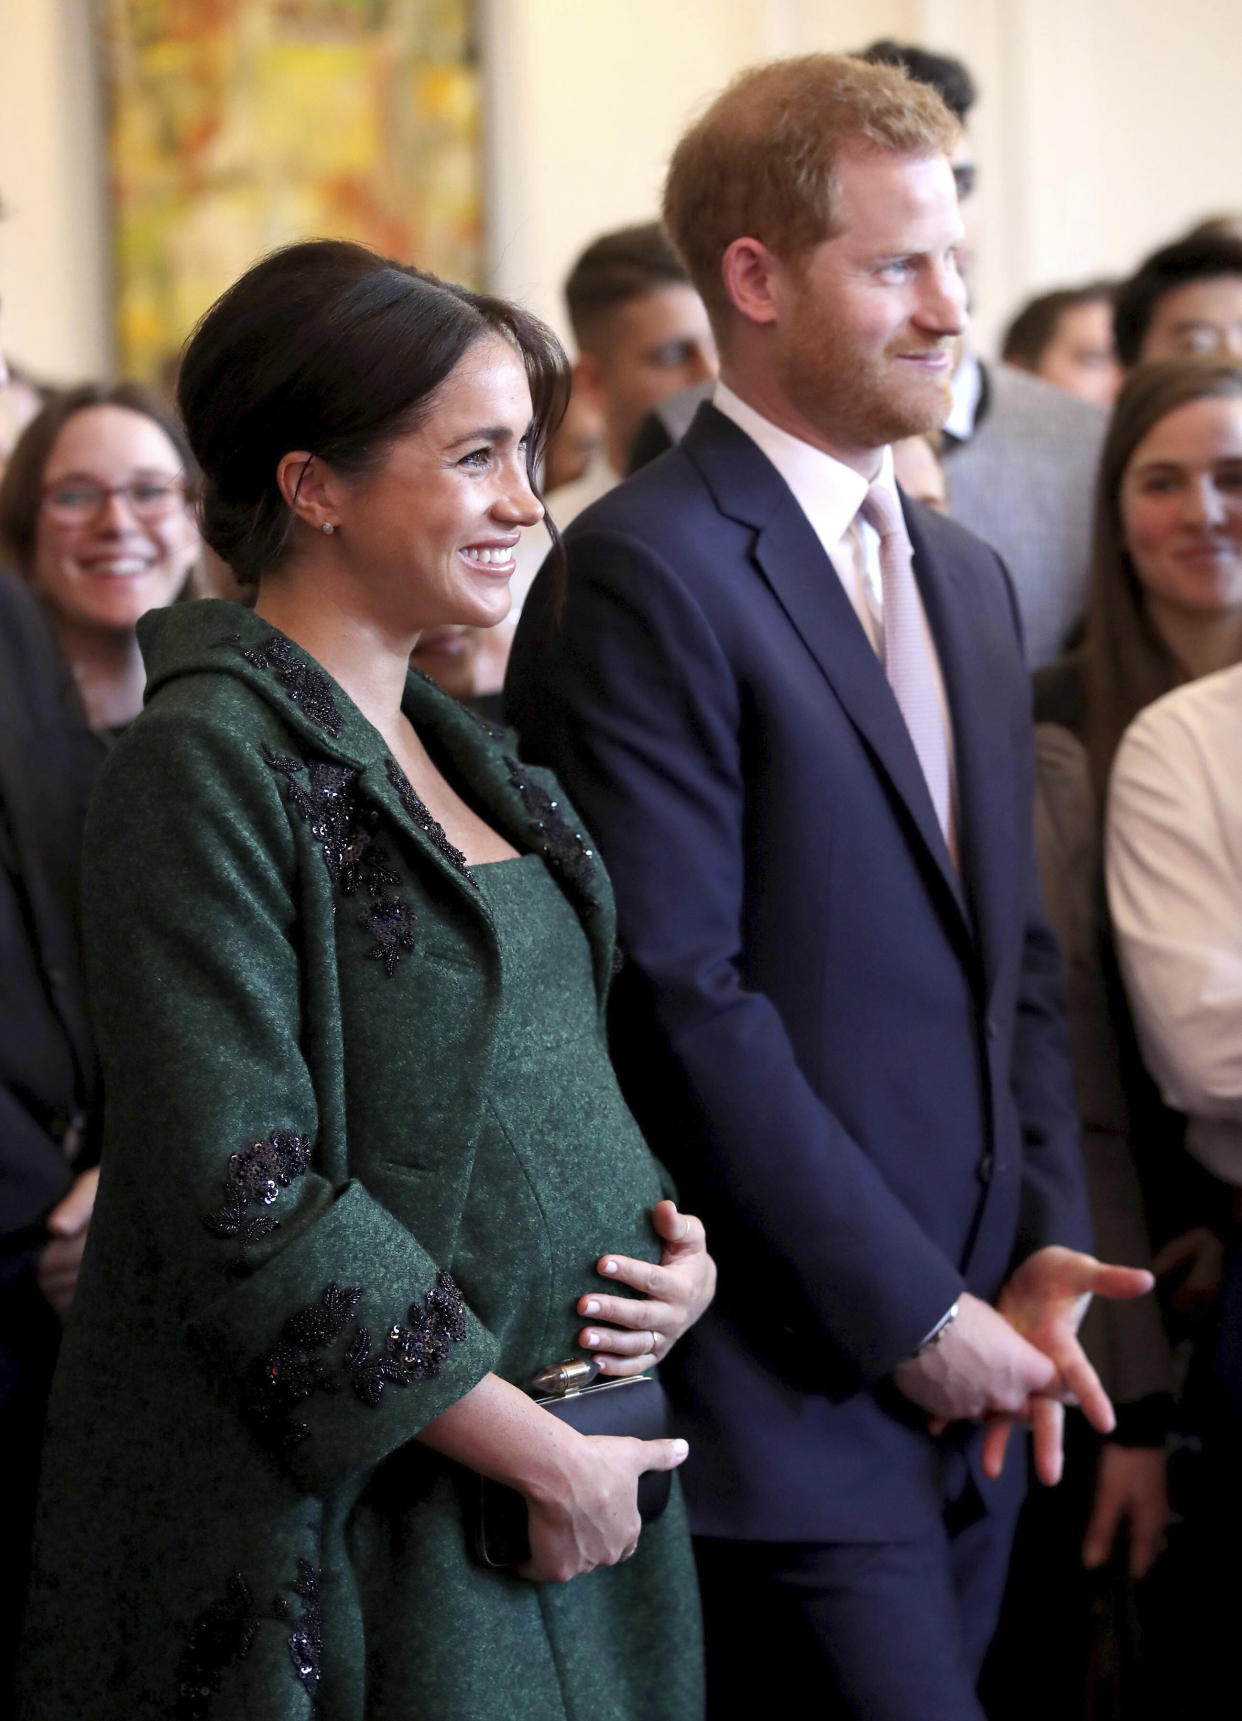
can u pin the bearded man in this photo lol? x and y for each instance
(792, 706)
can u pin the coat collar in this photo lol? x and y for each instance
(747, 488)
(214, 636)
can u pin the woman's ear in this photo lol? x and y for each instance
(310, 488)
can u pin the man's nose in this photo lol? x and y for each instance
(943, 307)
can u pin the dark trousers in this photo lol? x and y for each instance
(888, 1631)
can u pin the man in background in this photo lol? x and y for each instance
(1184, 299)
(1066, 338)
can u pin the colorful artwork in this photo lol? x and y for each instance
(239, 125)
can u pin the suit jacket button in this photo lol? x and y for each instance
(986, 1167)
(992, 1028)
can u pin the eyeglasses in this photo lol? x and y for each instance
(79, 500)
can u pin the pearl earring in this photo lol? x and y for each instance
(327, 528)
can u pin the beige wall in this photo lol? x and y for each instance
(1104, 126)
(55, 299)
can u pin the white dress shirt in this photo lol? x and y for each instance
(830, 494)
(1175, 893)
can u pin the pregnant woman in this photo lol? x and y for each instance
(366, 1167)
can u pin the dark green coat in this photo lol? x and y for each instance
(316, 1230)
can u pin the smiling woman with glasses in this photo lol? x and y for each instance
(95, 514)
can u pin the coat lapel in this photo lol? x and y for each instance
(793, 563)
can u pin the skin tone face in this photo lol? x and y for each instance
(1181, 517)
(1201, 317)
(427, 539)
(851, 345)
(646, 349)
(1080, 357)
(102, 571)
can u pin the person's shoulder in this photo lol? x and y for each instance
(1205, 715)
(1023, 406)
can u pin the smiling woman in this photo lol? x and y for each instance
(367, 1165)
(95, 512)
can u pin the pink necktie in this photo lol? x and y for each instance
(907, 655)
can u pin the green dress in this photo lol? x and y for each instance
(363, 1144)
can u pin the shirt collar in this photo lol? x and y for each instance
(967, 389)
(828, 492)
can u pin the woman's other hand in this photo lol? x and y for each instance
(57, 1272)
(591, 1519)
(629, 1334)
(1129, 1490)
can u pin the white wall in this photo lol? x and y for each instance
(1104, 127)
(55, 273)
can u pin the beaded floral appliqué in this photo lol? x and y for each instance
(223, 1634)
(308, 688)
(254, 1178)
(564, 849)
(356, 863)
(295, 1367)
(426, 821)
(306, 1638)
(220, 1636)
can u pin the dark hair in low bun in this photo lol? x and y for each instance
(327, 346)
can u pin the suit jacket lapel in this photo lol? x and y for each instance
(980, 744)
(807, 586)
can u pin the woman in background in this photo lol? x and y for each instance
(93, 519)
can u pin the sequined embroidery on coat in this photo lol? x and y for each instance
(563, 848)
(415, 1351)
(254, 1178)
(356, 863)
(308, 688)
(426, 822)
(306, 1638)
(220, 1637)
(223, 1634)
(294, 1368)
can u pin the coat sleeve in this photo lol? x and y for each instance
(630, 698)
(317, 1313)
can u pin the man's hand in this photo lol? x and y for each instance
(1045, 1302)
(1130, 1489)
(57, 1271)
(980, 1366)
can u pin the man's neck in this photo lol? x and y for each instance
(763, 395)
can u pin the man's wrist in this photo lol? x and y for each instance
(941, 1327)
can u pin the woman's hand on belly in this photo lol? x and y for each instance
(581, 1490)
(629, 1334)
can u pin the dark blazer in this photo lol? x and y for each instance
(855, 1063)
(48, 757)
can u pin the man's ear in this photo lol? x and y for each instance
(310, 488)
(751, 275)
(588, 381)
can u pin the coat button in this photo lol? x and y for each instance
(992, 1028)
(987, 1166)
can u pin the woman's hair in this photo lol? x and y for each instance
(21, 489)
(328, 347)
(1127, 663)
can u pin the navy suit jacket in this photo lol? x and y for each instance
(853, 1061)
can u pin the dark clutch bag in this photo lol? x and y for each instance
(634, 1407)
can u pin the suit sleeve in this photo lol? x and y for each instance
(632, 701)
(314, 1310)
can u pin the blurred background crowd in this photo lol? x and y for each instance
(1095, 439)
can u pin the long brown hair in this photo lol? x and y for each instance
(1127, 662)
